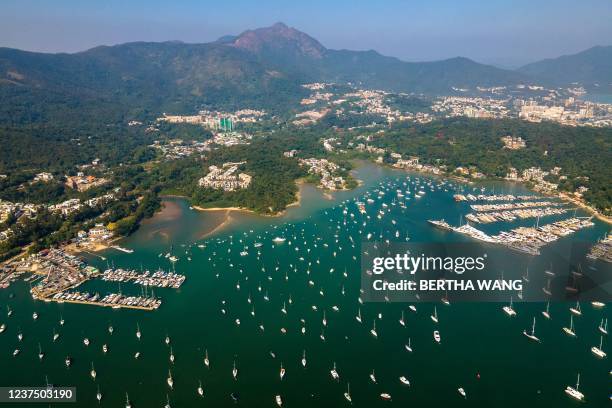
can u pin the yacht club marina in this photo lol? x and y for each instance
(56, 273)
(271, 313)
(524, 239)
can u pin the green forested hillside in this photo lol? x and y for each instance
(580, 152)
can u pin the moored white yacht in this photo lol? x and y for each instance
(509, 310)
(235, 371)
(546, 312)
(570, 330)
(573, 392)
(576, 309)
(603, 327)
(531, 336)
(334, 373)
(170, 380)
(598, 351)
(347, 394)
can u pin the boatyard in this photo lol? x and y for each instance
(59, 270)
(54, 273)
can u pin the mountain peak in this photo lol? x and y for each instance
(279, 38)
(279, 26)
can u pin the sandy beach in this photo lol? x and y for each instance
(296, 203)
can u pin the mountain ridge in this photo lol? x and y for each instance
(591, 66)
(263, 68)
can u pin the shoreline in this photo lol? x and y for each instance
(563, 196)
(228, 219)
(585, 207)
(296, 203)
(328, 195)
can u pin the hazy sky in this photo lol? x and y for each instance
(505, 33)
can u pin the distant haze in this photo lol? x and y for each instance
(502, 33)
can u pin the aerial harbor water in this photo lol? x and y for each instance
(270, 312)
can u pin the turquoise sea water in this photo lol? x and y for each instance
(482, 350)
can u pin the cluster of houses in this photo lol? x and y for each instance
(20, 210)
(552, 108)
(317, 96)
(541, 105)
(570, 111)
(309, 117)
(513, 142)
(177, 148)
(412, 163)
(483, 108)
(74, 204)
(43, 178)
(356, 102)
(81, 182)
(96, 234)
(374, 102)
(232, 138)
(327, 171)
(215, 120)
(535, 175)
(17, 210)
(225, 178)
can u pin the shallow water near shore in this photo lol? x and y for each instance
(482, 350)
